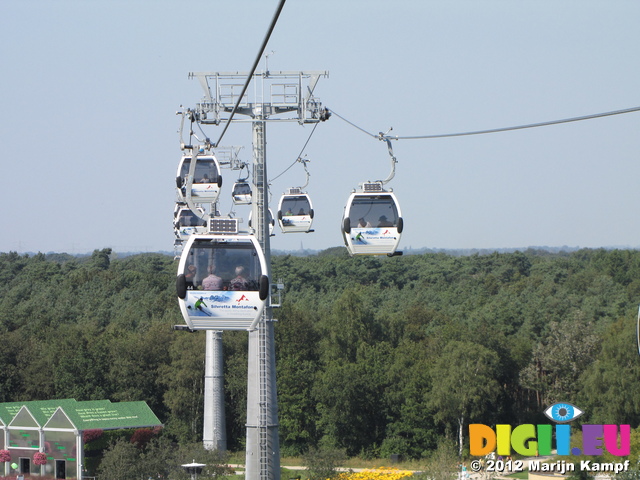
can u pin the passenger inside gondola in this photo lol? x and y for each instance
(190, 276)
(206, 171)
(222, 267)
(362, 223)
(383, 222)
(292, 204)
(380, 207)
(240, 281)
(212, 281)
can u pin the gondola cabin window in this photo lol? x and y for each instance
(206, 170)
(295, 205)
(373, 211)
(295, 213)
(213, 265)
(189, 219)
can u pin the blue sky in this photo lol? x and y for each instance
(88, 131)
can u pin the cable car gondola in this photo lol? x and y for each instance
(187, 223)
(272, 222)
(241, 193)
(199, 182)
(295, 212)
(222, 282)
(372, 223)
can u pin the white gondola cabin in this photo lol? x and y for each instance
(222, 282)
(295, 212)
(372, 222)
(241, 193)
(187, 223)
(272, 222)
(204, 178)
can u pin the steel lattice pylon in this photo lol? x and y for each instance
(263, 449)
(287, 95)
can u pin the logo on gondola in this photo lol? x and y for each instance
(386, 232)
(242, 298)
(221, 298)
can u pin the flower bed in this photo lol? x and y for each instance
(382, 473)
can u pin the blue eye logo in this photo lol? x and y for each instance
(563, 412)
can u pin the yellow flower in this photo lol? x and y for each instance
(381, 473)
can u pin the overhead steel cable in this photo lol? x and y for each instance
(253, 69)
(352, 124)
(497, 130)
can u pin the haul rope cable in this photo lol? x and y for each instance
(494, 130)
(253, 69)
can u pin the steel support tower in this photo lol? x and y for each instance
(288, 93)
(262, 449)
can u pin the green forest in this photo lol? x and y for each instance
(375, 355)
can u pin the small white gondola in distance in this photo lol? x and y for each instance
(204, 178)
(221, 283)
(372, 223)
(295, 212)
(186, 222)
(241, 193)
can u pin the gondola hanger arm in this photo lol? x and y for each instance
(386, 138)
(189, 185)
(304, 162)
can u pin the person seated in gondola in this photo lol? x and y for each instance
(240, 281)
(383, 222)
(212, 282)
(301, 212)
(362, 223)
(190, 276)
(205, 179)
(288, 213)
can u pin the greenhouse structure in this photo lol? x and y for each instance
(44, 438)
